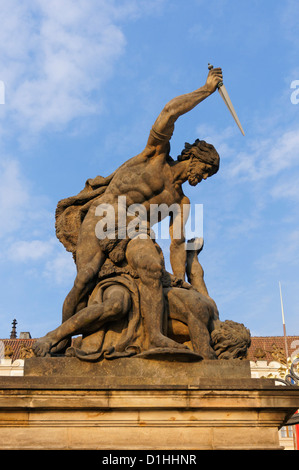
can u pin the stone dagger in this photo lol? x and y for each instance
(223, 93)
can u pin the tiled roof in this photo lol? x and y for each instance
(272, 348)
(17, 345)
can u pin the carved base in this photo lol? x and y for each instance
(214, 411)
(156, 367)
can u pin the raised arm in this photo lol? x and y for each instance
(164, 126)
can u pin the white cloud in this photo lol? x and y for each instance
(220, 139)
(283, 253)
(61, 54)
(14, 196)
(46, 258)
(71, 56)
(289, 20)
(265, 158)
(23, 251)
(60, 269)
(21, 210)
(54, 58)
(287, 189)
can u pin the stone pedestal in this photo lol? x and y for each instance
(141, 404)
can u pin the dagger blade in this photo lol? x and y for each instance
(224, 95)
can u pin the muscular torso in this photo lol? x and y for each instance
(143, 180)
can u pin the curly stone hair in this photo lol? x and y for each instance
(231, 340)
(203, 152)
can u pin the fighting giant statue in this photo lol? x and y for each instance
(123, 301)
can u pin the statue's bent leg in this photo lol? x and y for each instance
(143, 256)
(115, 305)
(191, 308)
(89, 259)
(85, 281)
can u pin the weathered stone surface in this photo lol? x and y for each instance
(124, 302)
(129, 371)
(56, 412)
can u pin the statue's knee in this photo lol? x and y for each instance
(144, 258)
(118, 298)
(152, 274)
(155, 270)
(115, 306)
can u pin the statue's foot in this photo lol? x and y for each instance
(61, 347)
(42, 347)
(161, 341)
(195, 245)
(208, 354)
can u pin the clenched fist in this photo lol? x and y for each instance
(214, 77)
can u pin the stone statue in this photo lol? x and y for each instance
(123, 302)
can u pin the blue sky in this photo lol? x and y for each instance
(84, 82)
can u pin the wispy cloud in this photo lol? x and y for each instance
(25, 230)
(260, 158)
(14, 196)
(59, 59)
(54, 70)
(60, 269)
(268, 157)
(286, 188)
(42, 258)
(22, 250)
(281, 253)
(22, 210)
(55, 66)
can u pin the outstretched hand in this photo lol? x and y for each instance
(214, 77)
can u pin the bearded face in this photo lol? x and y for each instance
(193, 176)
(197, 171)
(204, 161)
